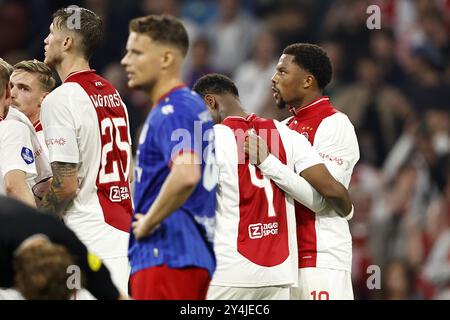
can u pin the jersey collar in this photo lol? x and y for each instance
(38, 126)
(249, 117)
(165, 95)
(78, 72)
(306, 109)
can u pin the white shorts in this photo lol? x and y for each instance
(120, 272)
(241, 293)
(323, 284)
(10, 294)
(119, 269)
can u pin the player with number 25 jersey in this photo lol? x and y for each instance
(86, 122)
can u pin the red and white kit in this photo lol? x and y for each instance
(324, 239)
(255, 239)
(86, 122)
(41, 182)
(16, 151)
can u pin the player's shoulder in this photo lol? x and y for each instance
(61, 94)
(12, 130)
(221, 130)
(13, 124)
(337, 121)
(262, 123)
(185, 99)
(183, 104)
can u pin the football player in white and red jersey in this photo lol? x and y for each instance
(255, 237)
(17, 165)
(31, 81)
(324, 239)
(86, 129)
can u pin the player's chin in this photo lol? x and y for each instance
(48, 61)
(132, 84)
(281, 104)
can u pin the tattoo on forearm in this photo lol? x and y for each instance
(55, 200)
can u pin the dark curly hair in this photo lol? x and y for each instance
(215, 83)
(313, 58)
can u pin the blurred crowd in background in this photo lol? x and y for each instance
(393, 83)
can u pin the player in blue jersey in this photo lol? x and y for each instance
(170, 251)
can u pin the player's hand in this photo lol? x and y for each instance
(141, 227)
(255, 147)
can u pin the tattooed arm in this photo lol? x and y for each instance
(63, 188)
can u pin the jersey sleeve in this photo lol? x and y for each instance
(16, 149)
(303, 156)
(59, 127)
(179, 134)
(336, 143)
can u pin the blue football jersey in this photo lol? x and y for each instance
(178, 123)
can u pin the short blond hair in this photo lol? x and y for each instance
(43, 72)
(5, 72)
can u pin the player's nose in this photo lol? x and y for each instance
(124, 60)
(274, 78)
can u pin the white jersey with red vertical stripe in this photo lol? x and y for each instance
(86, 122)
(255, 238)
(44, 171)
(324, 238)
(41, 137)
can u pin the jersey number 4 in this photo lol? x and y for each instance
(265, 184)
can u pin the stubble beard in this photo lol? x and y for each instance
(281, 104)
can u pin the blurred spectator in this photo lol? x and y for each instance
(231, 34)
(346, 22)
(200, 61)
(13, 24)
(382, 48)
(335, 51)
(290, 22)
(378, 111)
(253, 77)
(397, 281)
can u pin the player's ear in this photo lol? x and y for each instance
(42, 98)
(211, 102)
(308, 81)
(167, 59)
(68, 43)
(8, 90)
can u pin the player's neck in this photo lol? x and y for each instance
(69, 66)
(162, 87)
(34, 118)
(3, 110)
(235, 108)
(308, 99)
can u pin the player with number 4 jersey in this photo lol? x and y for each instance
(255, 238)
